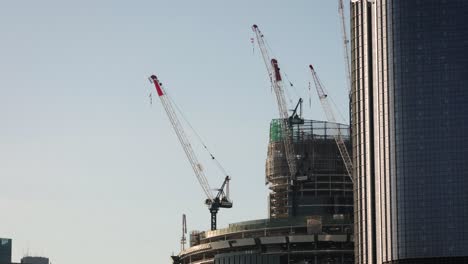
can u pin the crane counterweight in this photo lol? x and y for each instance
(274, 63)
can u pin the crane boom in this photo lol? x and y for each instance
(221, 200)
(196, 166)
(277, 84)
(331, 118)
(283, 111)
(263, 51)
(345, 44)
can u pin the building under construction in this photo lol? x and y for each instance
(321, 185)
(301, 240)
(310, 213)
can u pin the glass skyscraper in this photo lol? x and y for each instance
(409, 110)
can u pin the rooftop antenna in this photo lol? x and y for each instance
(183, 240)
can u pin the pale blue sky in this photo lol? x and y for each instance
(90, 171)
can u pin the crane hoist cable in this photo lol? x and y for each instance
(268, 50)
(323, 96)
(197, 135)
(333, 103)
(221, 200)
(291, 84)
(277, 84)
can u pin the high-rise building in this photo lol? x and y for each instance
(409, 125)
(322, 185)
(310, 217)
(5, 251)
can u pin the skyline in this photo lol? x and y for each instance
(84, 151)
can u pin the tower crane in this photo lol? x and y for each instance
(345, 44)
(277, 84)
(183, 240)
(214, 203)
(331, 118)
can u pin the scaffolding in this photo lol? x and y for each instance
(322, 185)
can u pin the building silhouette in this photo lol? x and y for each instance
(5, 250)
(409, 106)
(34, 260)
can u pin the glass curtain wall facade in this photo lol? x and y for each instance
(409, 123)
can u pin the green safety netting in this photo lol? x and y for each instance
(276, 131)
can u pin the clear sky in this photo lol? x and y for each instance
(90, 171)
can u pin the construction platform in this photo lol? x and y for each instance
(310, 240)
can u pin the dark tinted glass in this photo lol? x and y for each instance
(430, 41)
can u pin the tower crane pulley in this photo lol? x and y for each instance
(214, 203)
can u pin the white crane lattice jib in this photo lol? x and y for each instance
(277, 84)
(331, 118)
(197, 168)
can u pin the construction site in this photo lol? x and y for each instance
(310, 221)
(308, 175)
